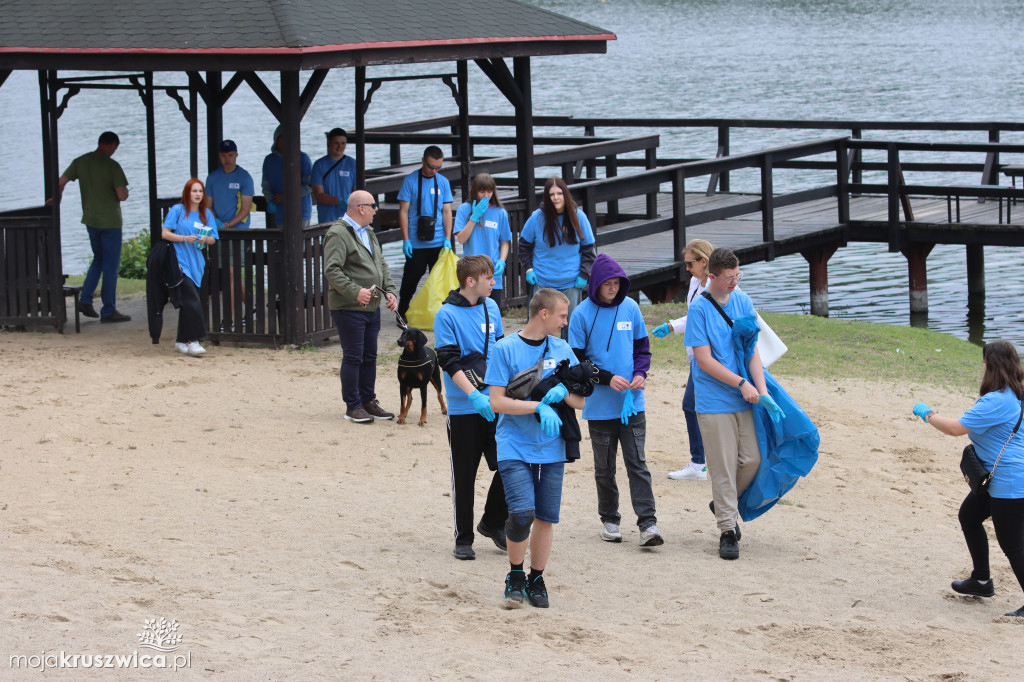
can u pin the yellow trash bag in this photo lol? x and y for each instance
(441, 281)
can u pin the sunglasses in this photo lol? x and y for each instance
(374, 204)
(433, 167)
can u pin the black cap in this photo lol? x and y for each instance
(228, 146)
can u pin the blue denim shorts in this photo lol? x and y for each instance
(533, 487)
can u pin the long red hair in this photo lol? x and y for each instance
(186, 198)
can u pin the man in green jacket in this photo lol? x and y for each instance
(355, 268)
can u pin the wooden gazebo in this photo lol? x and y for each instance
(216, 49)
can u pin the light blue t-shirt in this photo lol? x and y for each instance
(425, 200)
(273, 183)
(487, 236)
(191, 258)
(339, 182)
(990, 422)
(464, 327)
(706, 327)
(227, 190)
(519, 436)
(558, 266)
(607, 336)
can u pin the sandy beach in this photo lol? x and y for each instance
(227, 493)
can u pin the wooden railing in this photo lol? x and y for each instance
(31, 282)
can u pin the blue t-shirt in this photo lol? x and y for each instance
(424, 196)
(227, 190)
(519, 436)
(607, 336)
(487, 236)
(191, 258)
(705, 327)
(558, 266)
(273, 183)
(339, 183)
(464, 327)
(990, 422)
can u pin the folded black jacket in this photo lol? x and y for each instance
(163, 277)
(579, 379)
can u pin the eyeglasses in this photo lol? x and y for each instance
(374, 204)
(729, 280)
(688, 263)
(433, 167)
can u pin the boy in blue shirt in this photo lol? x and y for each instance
(531, 451)
(608, 329)
(466, 329)
(333, 178)
(724, 399)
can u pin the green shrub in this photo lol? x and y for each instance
(134, 253)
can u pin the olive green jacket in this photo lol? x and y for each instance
(349, 267)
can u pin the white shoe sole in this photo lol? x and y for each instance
(687, 476)
(608, 537)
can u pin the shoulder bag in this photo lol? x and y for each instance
(973, 469)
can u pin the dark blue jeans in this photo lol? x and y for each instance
(692, 427)
(357, 331)
(106, 261)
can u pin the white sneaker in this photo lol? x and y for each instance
(651, 537)
(690, 472)
(195, 349)
(610, 532)
(181, 348)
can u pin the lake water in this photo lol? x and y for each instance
(797, 59)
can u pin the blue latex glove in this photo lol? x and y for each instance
(627, 406)
(407, 248)
(499, 268)
(662, 330)
(922, 411)
(580, 283)
(220, 224)
(555, 395)
(448, 244)
(549, 420)
(482, 405)
(531, 277)
(479, 208)
(773, 409)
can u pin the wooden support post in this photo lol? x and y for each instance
(893, 167)
(193, 133)
(843, 183)
(723, 150)
(360, 121)
(855, 158)
(767, 208)
(975, 270)
(465, 155)
(292, 290)
(155, 223)
(611, 169)
(917, 268)
(679, 218)
(524, 133)
(817, 259)
(651, 157)
(214, 118)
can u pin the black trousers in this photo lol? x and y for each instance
(1008, 521)
(191, 325)
(422, 260)
(471, 437)
(496, 296)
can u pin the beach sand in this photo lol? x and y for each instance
(228, 493)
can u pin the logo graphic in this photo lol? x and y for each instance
(159, 635)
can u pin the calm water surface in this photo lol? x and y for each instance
(799, 59)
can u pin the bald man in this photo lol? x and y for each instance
(359, 278)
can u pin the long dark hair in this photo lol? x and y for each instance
(553, 233)
(1002, 369)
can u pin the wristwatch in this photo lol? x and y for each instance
(742, 381)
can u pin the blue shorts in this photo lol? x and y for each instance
(533, 487)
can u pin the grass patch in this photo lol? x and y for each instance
(844, 349)
(125, 286)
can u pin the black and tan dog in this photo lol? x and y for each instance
(416, 368)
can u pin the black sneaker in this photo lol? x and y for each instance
(87, 309)
(464, 552)
(358, 415)
(728, 548)
(739, 533)
(537, 592)
(515, 589)
(974, 588)
(374, 409)
(497, 535)
(1019, 613)
(116, 316)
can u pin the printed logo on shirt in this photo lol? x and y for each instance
(493, 224)
(234, 185)
(198, 225)
(343, 174)
(485, 331)
(625, 326)
(549, 363)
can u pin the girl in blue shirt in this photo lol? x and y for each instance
(989, 424)
(189, 226)
(481, 226)
(556, 246)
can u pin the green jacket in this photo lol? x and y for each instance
(349, 267)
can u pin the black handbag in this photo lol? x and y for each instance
(973, 469)
(426, 226)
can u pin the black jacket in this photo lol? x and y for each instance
(163, 277)
(579, 379)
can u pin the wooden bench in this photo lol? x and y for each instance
(76, 292)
